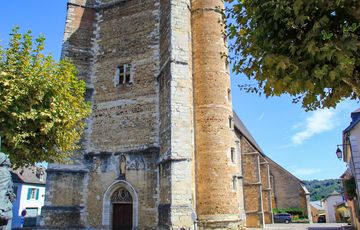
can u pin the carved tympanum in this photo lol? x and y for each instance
(121, 196)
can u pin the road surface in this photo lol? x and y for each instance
(322, 226)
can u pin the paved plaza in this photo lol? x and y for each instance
(322, 226)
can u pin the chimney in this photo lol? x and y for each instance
(355, 116)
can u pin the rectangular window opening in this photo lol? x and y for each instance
(127, 79)
(124, 74)
(121, 79)
(33, 194)
(238, 148)
(233, 155)
(231, 123)
(237, 144)
(234, 183)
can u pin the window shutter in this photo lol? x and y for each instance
(37, 194)
(29, 193)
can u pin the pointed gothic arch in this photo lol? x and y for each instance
(119, 191)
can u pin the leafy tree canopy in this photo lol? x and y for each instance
(309, 49)
(320, 189)
(42, 103)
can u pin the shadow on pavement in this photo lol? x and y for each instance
(332, 228)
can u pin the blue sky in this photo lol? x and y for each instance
(302, 142)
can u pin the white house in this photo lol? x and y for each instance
(29, 187)
(351, 177)
(330, 203)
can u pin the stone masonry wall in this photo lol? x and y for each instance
(252, 185)
(78, 36)
(125, 116)
(141, 172)
(65, 200)
(238, 162)
(289, 194)
(99, 37)
(273, 203)
(266, 190)
(176, 117)
(78, 44)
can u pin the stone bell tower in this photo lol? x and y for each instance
(159, 150)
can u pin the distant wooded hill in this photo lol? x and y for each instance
(320, 189)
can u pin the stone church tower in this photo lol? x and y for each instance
(159, 150)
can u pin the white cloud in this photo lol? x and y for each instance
(318, 122)
(305, 171)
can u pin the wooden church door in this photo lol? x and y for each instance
(122, 215)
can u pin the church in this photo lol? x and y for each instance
(162, 148)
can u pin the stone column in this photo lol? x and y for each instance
(266, 192)
(308, 207)
(216, 200)
(176, 204)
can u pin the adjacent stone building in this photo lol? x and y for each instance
(160, 150)
(266, 184)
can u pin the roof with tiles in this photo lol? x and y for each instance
(30, 175)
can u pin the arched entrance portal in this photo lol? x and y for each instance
(122, 210)
(120, 207)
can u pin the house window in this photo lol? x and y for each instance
(232, 155)
(123, 74)
(33, 194)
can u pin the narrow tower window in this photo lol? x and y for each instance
(234, 183)
(238, 147)
(123, 74)
(229, 94)
(231, 123)
(233, 155)
(237, 144)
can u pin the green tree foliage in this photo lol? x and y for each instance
(309, 49)
(320, 189)
(42, 103)
(350, 188)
